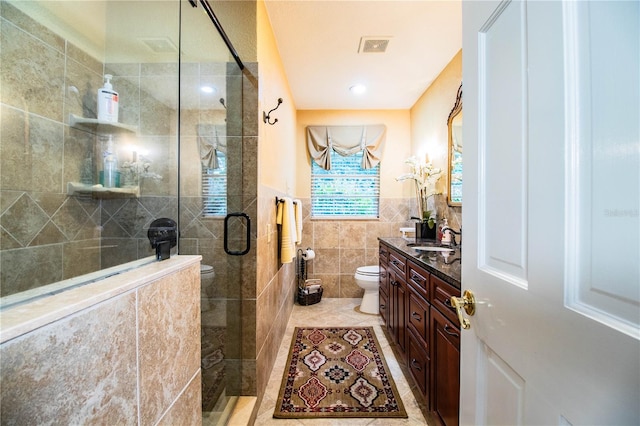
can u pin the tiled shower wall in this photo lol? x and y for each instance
(44, 79)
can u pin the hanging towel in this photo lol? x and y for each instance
(297, 211)
(286, 219)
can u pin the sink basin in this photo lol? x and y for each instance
(433, 248)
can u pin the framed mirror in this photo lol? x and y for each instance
(454, 124)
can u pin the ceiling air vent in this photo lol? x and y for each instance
(160, 44)
(373, 44)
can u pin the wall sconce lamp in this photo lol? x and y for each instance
(266, 116)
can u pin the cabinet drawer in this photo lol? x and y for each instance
(398, 264)
(419, 318)
(441, 293)
(418, 279)
(418, 362)
(383, 253)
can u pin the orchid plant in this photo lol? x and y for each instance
(424, 176)
(135, 170)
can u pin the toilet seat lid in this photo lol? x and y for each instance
(372, 270)
(206, 268)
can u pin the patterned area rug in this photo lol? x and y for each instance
(337, 372)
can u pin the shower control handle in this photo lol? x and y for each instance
(248, 234)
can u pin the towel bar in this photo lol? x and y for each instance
(280, 200)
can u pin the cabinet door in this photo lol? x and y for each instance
(445, 371)
(402, 300)
(397, 309)
(392, 309)
(384, 307)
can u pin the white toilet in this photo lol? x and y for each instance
(367, 278)
(207, 275)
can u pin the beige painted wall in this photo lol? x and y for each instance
(429, 117)
(397, 148)
(276, 149)
(275, 282)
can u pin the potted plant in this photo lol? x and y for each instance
(424, 176)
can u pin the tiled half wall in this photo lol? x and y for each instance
(124, 351)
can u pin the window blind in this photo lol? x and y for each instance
(346, 190)
(214, 188)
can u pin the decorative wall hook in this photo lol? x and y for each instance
(266, 116)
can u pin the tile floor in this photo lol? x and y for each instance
(336, 312)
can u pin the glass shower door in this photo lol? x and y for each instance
(210, 180)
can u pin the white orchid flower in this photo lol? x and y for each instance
(425, 177)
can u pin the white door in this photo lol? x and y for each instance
(551, 213)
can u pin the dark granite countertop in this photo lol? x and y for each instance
(448, 269)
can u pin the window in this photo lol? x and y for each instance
(345, 191)
(214, 188)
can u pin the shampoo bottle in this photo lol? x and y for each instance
(107, 101)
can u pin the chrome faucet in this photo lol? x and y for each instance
(453, 234)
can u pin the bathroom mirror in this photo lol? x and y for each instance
(454, 124)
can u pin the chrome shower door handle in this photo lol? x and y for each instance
(226, 234)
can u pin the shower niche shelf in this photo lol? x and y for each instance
(99, 191)
(98, 126)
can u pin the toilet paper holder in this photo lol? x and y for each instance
(309, 290)
(308, 254)
(301, 263)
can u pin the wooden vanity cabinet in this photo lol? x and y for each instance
(424, 326)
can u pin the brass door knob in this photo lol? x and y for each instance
(466, 302)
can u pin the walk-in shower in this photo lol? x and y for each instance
(177, 144)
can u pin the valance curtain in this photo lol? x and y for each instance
(211, 138)
(346, 140)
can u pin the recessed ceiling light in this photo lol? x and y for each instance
(358, 89)
(207, 89)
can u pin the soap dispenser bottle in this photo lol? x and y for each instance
(110, 178)
(446, 234)
(108, 101)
